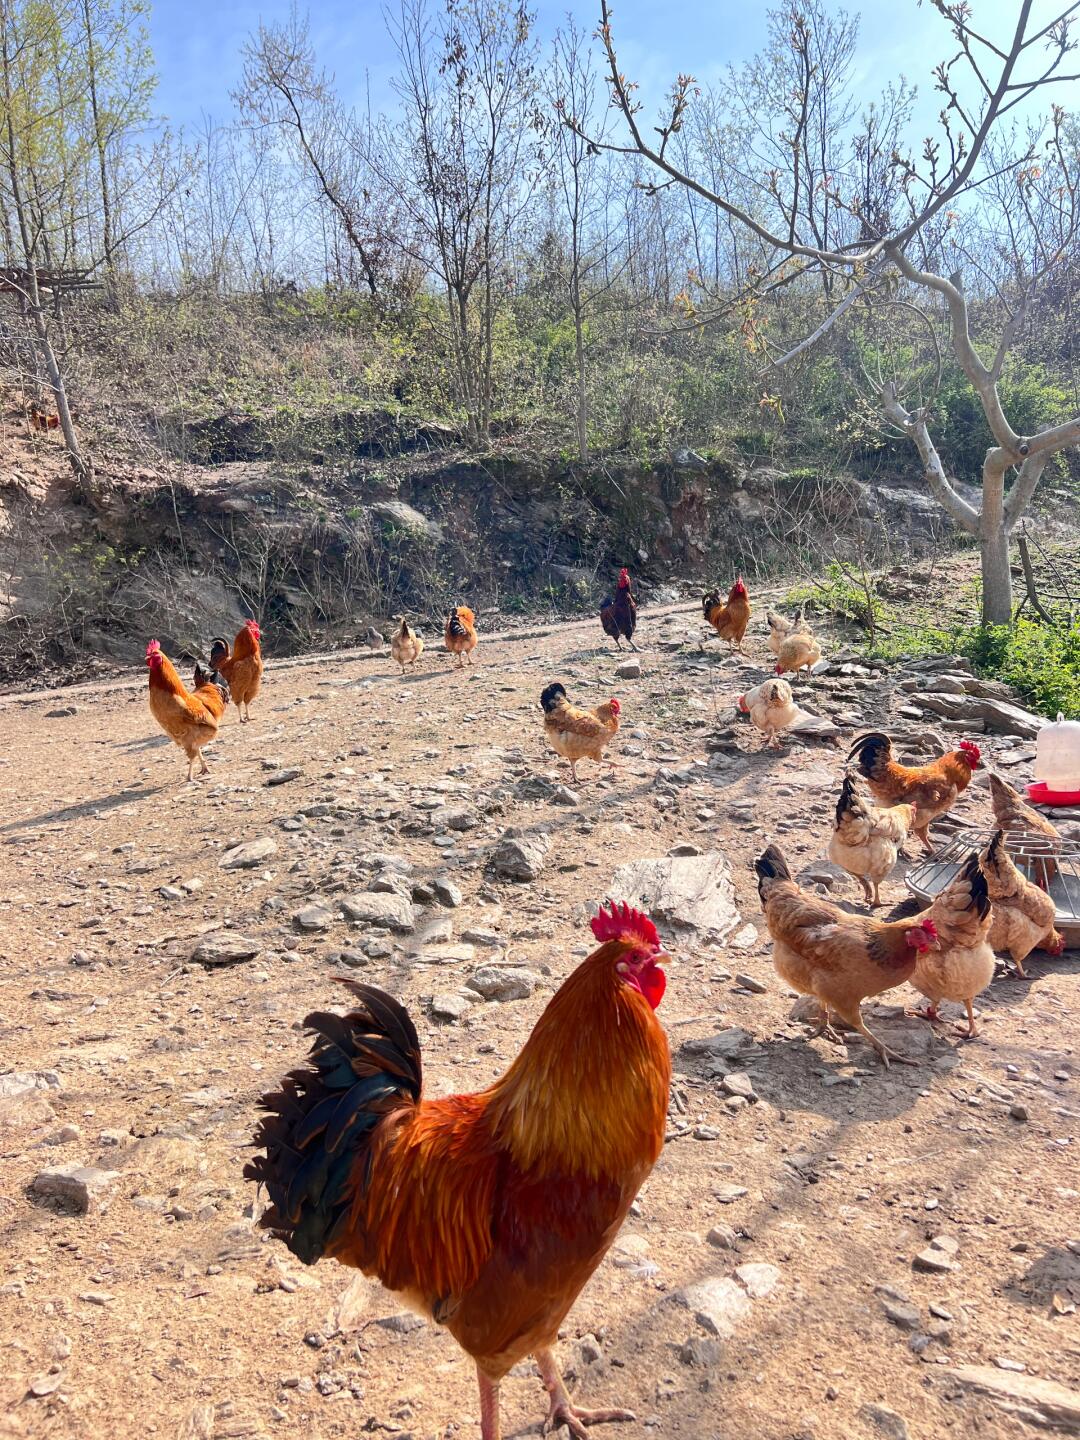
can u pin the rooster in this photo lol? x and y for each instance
(577, 734)
(962, 964)
(867, 841)
(1023, 915)
(460, 635)
(932, 789)
(1027, 827)
(488, 1212)
(729, 618)
(406, 647)
(242, 666)
(840, 959)
(189, 718)
(40, 419)
(618, 614)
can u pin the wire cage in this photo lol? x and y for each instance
(1053, 866)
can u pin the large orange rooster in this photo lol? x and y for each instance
(189, 717)
(487, 1212)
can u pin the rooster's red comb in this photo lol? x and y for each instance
(929, 927)
(623, 922)
(971, 748)
(154, 648)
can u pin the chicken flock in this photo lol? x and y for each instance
(488, 1212)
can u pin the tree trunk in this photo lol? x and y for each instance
(997, 593)
(582, 401)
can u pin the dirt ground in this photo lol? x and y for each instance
(163, 1312)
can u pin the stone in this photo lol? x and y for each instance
(449, 1005)
(314, 917)
(494, 982)
(938, 1257)
(396, 515)
(1000, 716)
(1042, 1402)
(738, 1084)
(395, 911)
(21, 1082)
(885, 1421)
(699, 1352)
(751, 983)
(248, 855)
(563, 795)
(628, 669)
(723, 1237)
(446, 893)
(718, 1304)
(225, 947)
(902, 1315)
(282, 777)
(520, 857)
(403, 1323)
(759, 1278)
(61, 712)
(82, 1188)
(693, 891)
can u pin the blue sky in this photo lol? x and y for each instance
(197, 43)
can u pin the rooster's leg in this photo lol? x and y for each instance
(630, 642)
(190, 768)
(562, 1412)
(856, 1022)
(1018, 961)
(489, 1407)
(971, 1031)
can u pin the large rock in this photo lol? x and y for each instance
(396, 515)
(83, 1188)
(520, 857)
(496, 982)
(717, 1304)
(381, 908)
(249, 854)
(1000, 716)
(1040, 1402)
(693, 891)
(225, 947)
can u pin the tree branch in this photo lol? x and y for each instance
(913, 423)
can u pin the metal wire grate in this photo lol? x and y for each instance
(1058, 873)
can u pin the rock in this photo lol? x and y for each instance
(1041, 1402)
(314, 917)
(446, 893)
(904, 1316)
(938, 1257)
(699, 1352)
(225, 947)
(1000, 716)
(449, 1005)
(396, 515)
(738, 1084)
(403, 1323)
(688, 890)
(723, 1237)
(21, 1082)
(249, 854)
(628, 669)
(719, 1304)
(751, 983)
(82, 1188)
(759, 1278)
(282, 777)
(392, 910)
(563, 795)
(61, 712)
(520, 857)
(887, 1422)
(30, 1108)
(494, 982)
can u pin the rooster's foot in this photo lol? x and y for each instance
(577, 1421)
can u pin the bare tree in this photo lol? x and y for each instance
(462, 164)
(911, 197)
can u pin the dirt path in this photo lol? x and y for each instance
(163, 1313)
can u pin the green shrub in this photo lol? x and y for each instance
(1042, 662)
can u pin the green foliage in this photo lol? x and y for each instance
(1041, 661)
(840, 593)
(1030, 397)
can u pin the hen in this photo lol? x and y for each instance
(406, 647)
(867, 841)
(780, 628)
(577, 734)
(461, 637)
(189, 718)
(771, 708)
(962, 965)
(932, 789)
(1023, 823)
(618, 614)
(840, 959)
(242, 666)
(729, 618)
(1023, 915)
(487, 1212)
(798, 651)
